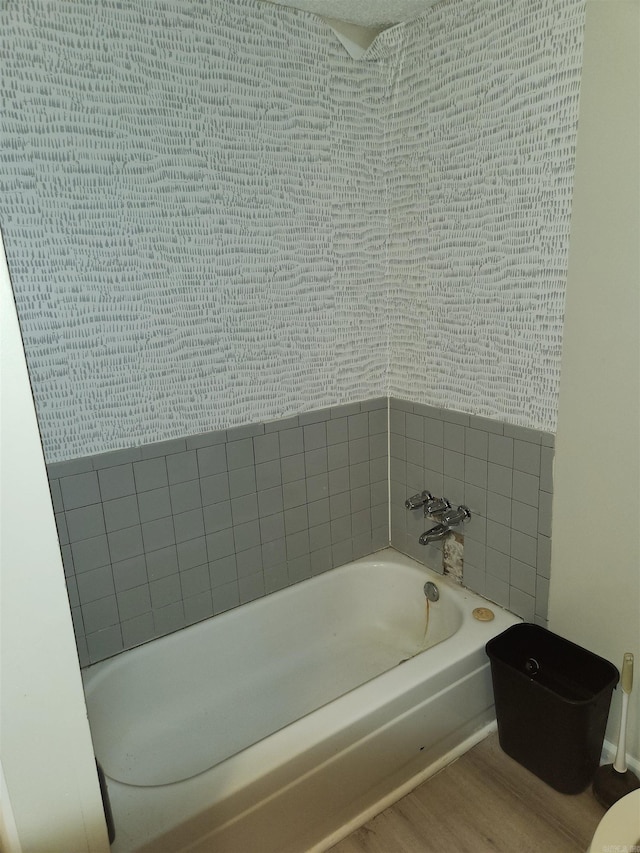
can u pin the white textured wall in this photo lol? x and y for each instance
(213, 215)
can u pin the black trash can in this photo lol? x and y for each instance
(552, 702)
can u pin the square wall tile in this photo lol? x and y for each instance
(525, 488)
(85, 522)
(498, 537)
(134, 602)
(121, 513)
(206, 439)
(340, 481)
(149, 474)
(198, 607)
(244, 509)
(476, 443)
(163, 448)
(523, 577)
(522, 604)
(225, 597)
(274, 553)
(292, 468)
(242, 481)
(249, 562)
(291, 442)
(80, 490)
(157, 534)
(138, 630)
(475, 472)
(185, 496)
(126, 543)
(192, 553)
(194, 581)
(104, 643)
(500, 479)
(454, 437)
(129, 573)
(251, 587)
(358, 426)
(475, 553)
(240, 454)
(268, 475)
(162, 562)
(212, 460)
(275, 578)
(414, 427)
(291, 495)
(378, 421)
(154, 504)
(102, 613)
(223, 571)
(188, 525)
(214, 488)
(501, 450)
(98, 583)
(526, 457)
(434, 432)
(270, 501)
(266, 448)
(182, 466)
(168, 619)
(165, 591)
(315, 436)
(90, 554)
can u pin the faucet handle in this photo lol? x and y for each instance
(436, 506)
(418, 500)
(454, 517)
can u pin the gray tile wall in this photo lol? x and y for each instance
(503, 473)
(158, 537)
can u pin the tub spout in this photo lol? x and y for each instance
(437, 532)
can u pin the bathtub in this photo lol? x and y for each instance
(281, 726)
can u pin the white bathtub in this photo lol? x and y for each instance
(282, 725)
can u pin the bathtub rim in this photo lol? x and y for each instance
(94, 671)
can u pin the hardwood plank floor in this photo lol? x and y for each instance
(483, 802)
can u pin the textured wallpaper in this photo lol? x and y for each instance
(483, 125)
(193, 216)
(213, 215)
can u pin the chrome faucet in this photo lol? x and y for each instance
(436, 506)
(431, 504)
(435, 533)
(450, 518)
(418, 500)
(454, 517)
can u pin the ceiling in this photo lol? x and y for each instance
(364, 13)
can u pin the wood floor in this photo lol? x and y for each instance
(483, 802)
